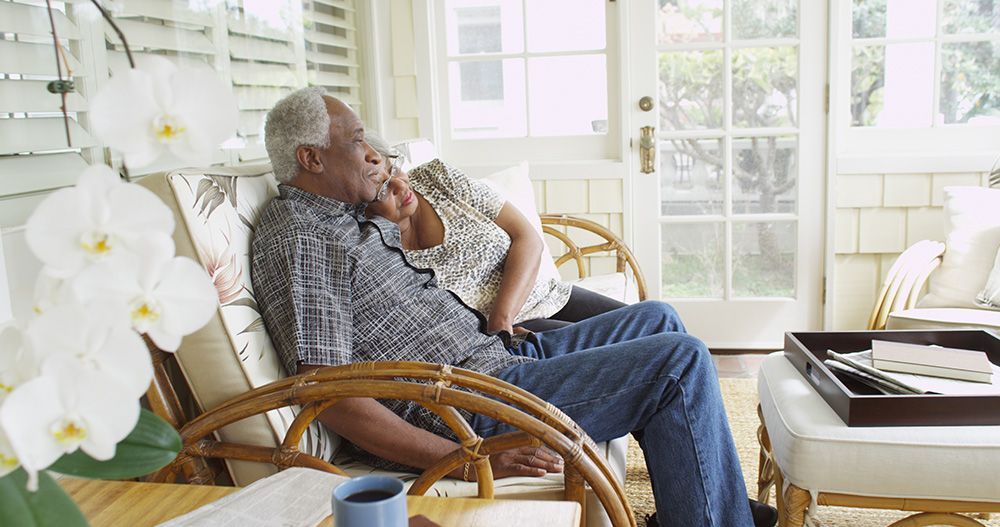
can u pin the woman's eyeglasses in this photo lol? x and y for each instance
(395, 163)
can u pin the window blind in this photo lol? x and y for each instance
(264, 49)
(34, 155)
(331, 48)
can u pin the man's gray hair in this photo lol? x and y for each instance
(300, 119)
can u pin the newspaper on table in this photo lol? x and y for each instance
(859, 366)
(295, 497)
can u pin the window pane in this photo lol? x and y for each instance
(893, 86)
(478, 26)
(911, 18)
(487, 98)
(765, 18)
(693, 260)
(867, 82)
(764, 174)
(568, 95)
(549, 28)
(689, 21)
(971, 16)
(691, 90)
(970, 82)
(765, 87)
(764, 259)
(691, 177)
(869, 18)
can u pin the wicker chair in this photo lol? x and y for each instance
(271, 420)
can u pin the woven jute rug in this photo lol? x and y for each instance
(740, 397)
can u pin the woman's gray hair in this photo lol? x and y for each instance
(380, 145)
(300, 119)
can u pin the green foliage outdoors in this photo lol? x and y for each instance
(765, 95)
(970, 71)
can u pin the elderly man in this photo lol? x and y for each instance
(335, 288)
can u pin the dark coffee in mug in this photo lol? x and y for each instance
(368, 496)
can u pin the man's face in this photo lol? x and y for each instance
(351, 168)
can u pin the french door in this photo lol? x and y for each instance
(727, 215)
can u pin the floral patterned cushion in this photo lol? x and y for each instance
(216, 212)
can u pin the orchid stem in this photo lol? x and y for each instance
(128, 53)
(55, 41)
(121, 36)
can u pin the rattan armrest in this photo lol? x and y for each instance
(432, 386)
(574, 252)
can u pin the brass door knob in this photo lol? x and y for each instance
(646, 103)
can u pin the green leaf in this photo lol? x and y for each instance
(48, 506)
(152, 444)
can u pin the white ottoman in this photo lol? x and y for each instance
(817, 459)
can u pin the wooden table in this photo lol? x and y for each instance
(114, 503)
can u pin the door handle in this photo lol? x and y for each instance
(647, 150)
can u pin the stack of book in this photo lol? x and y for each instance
(903, 368)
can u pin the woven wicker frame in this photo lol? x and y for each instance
(539, 422)
(431, 385)
(574, 252)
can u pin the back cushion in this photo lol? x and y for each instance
(216, 213)
(972, 227)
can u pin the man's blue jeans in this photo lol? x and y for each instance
(636, 370)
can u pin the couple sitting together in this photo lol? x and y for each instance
(356, 260)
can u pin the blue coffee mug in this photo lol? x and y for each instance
(370, 501)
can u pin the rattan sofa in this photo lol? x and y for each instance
(226, 391)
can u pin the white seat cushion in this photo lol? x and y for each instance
(816, 451)
(944, 318)
(549, 487)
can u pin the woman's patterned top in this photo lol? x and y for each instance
(470, 260)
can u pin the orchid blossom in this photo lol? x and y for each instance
(94, 221)
(55, 414)
(95, 337)
(165, 298)
(8, 458)
(158, 108)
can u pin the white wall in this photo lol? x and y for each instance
(877, 217)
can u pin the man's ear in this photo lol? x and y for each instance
(309, 160)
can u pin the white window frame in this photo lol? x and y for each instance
(939, 148)
(432, 79)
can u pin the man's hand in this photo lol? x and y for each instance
(525, 461)
(518, 330)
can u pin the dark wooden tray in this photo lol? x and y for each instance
(859, 405)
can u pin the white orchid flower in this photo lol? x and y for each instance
(158, 108)
(8, 458)
(17, 364)
(93, 337)
(93, 221)
(67, 409)
(167, 298)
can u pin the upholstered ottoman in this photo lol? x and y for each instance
(810, 454)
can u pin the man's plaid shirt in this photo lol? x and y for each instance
(334, 288)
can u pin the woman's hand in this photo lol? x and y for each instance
(497, 323)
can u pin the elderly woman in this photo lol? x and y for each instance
(479, 246)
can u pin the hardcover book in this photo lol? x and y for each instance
(950, 363)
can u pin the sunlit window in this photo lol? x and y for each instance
(923, 63)
(517, 68)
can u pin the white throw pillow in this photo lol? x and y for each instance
(989, 297)
(515, 186)
(972, 224)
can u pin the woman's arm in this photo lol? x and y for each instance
(519, 271)
(375, 429)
